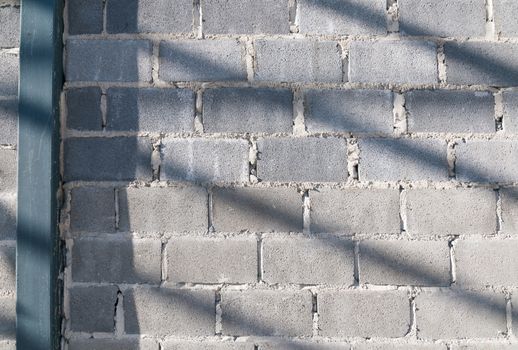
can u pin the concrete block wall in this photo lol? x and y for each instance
(9, 49)
(290, 174)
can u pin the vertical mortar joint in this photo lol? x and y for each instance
(392, 8)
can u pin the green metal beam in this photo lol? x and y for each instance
(38, 253)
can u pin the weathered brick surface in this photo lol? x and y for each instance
(84, 109)
(85, 16)
(397, 62)
(355, 211)
(279, 60)
(425, 263)
(112, 344)
(402, 159)
(198, 260)
(116, 260)
(289, 313)
(450, 111)
(108, 60)
(246, 17)
(302, 159)
(163, 209)
(469, 314)
(8, 216)
(9, 121)
(158, 110)
(307, 261)
(160, 311)
(10, 31)
(450, 212)
(364, 313)
(8, 74)
(505, 20)
(342, 17)
(349, 111)
(247, 110)
(443, 18)
(510, 111)
(206, 345)
(92, 308)
(92, 209)
(257, 209)
(204, 160)
(208, 60)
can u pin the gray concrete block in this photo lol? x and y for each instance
(85, 16)
(402, 159)
(7, 269)
(342, 17)
(9, 67)
(510, 111)
(514, 312)
(266, 313)
(257, 209)
(246, 17)
(485, 346)
(8, 216)
(282, 61)
(393, 62)
(247, 110)
(10, 30)
(112, 344)
(92, 309)
(302, 345)
(302, 159)
(486, 263)
(92, 209)
(443, 18)
(108, 60)
(487, 161)
(148, 16)
(8, 317)
(163, 209)
(8, 170)
(486, 63)
(363, 313)
(116, 260)
(204, 160)
(9, 121)
(469, 314)
(206, 345)
(450, 212)
(84, 109)
(386, 346)
(151, 109)
(206, 260)
(326, 260)
(116, 158)
(422, 263)
(349, 111)
(202, 60)
(164, 311)
(8, 345)
(355, 211)
(509, 205)
(505, 17)
(450, 111)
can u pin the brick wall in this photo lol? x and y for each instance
(9, 48)
(290, 174)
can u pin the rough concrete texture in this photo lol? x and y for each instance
(160, 311)
(246, 17)
(158, 110)
(470, 314)
(92, 308)
(84, 109)
(92, 209)
(112, 344)
(302, 159)
(85, 16)
(303, 345)
(308, 261)
(247, 110)
(8, 216)
(9, 121)
(349, 111)
(206, 345)
(509, 205)
(364, 313)
(279, 61)
(289, 313)
(8, 319)
(450, 111)
(505, 17)
(198, 260)
(355, 211)
(486, 263)
(342, 17)
(257, 210)
(450, 212)
(8, 74)
(402, 159)
(442, 18)
(485, 346)
(510, 111)
(163, 209)
(388, 346)
(399, 62)
(10, 31)
(8, 159)
(422, 263)
(7, 269)
(207, 60)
